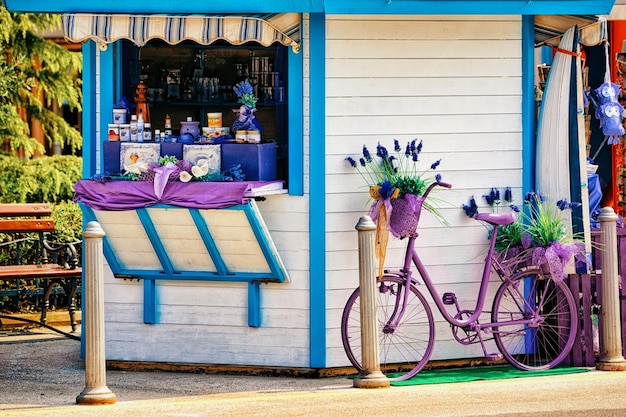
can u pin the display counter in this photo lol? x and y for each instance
(197, 231)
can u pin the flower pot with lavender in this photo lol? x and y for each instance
(246, 120)
(539, 237)
(396, 184)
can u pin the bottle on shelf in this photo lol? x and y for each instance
(168, 126)
(140, 128)
(157, 135)
(133, 128)
(147, 133)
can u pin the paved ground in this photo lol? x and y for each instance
(41, 374)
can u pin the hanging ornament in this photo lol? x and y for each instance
(608, 109)
(608, 92)
(611, 121)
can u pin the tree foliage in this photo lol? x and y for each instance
(29, 65)
(49, 179)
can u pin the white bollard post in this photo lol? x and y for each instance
(611, 358)
(370, 376)
(96, 391)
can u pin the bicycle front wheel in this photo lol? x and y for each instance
(536, 320)
(405, 346)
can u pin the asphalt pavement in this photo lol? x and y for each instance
(41, 373)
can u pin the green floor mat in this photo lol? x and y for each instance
(446, 376)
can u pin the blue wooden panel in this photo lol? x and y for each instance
(165, 6)
(89, 216)
(328, 6)
(265, 247)
(149, 302)
(209, 242)
(528, 104)
(119, 67)
(148, 226)
(107, 91)
(254, 304)
(317, 222)
(89, 109)
(295, 125)
(514, 7)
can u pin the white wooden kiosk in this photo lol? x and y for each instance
(457, 74)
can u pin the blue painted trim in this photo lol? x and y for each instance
(317, 186)
(528, 104)
(209, 242)
(107, 92)
(149, 302)
(89, 109)
(514, 7)
(254, 304)
(157, 274)
(546, 55)
(119, 70)
(156, 243)
(295, 114)
(263, 243)
(88, 216)
(165, 6)
(316, 6)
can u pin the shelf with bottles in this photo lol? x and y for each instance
(197, 76)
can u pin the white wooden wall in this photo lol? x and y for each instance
(453, 81)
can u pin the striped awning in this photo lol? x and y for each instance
(592, 29)
(266, 29)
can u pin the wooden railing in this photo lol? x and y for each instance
(587, 290)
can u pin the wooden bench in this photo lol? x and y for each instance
(31, 219)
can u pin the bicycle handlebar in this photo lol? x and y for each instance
(433, 185)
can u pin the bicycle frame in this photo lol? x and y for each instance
(411, 256)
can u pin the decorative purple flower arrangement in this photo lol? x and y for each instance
(539, 236)
(395, 183)
(170, 168)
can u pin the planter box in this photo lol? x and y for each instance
(172, 149)
(112, 151)
(258, 160)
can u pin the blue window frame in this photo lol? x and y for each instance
(121, 71)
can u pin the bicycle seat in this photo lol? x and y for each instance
(501, 219)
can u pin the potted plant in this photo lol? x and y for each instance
(538, 237)
(396, 184)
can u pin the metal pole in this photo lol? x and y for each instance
(96, 391)
(612, 358)
(370, 376)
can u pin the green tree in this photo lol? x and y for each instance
(29, 65)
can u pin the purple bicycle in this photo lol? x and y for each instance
(533, 318)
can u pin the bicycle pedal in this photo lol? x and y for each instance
(449, 298)
(492, 357)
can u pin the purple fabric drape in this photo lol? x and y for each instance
(130, 195)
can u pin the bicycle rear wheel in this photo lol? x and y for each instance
(405, 348)
(546, 316)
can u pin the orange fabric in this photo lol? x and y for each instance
(382, 233)
(382, 237)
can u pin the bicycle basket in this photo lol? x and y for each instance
(405, 215)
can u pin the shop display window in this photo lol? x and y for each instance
(192, 81)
